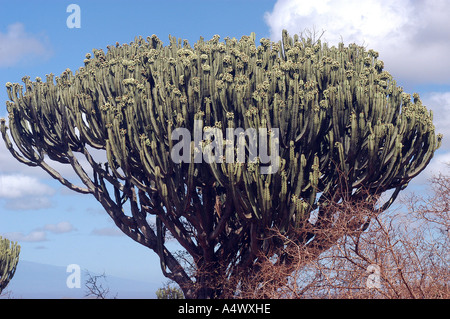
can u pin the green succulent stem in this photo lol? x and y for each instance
(9, 258)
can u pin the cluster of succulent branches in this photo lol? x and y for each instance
(336, 108)
(9, 257)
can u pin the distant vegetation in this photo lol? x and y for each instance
(9, 257)
(169, 292)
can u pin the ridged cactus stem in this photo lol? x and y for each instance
(9, 257)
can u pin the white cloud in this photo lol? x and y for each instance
(16, 45)
(40, 234)
(107, 231)
(31, 203)
(34, 236)
(17, 186)
(354, 20)
(413, 37)
(59, 228)
(23, 192)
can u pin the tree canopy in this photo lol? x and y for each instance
(345, 130)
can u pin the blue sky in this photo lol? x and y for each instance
(58, 227)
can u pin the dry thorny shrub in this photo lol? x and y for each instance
(403, 254)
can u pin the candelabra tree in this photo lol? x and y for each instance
(9, 257)
(345, 130)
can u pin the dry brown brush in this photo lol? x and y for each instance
(403, 253)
